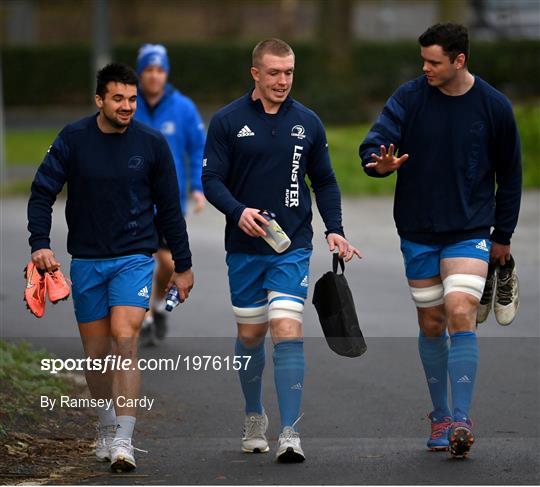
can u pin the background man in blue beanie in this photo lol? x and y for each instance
(164, 108)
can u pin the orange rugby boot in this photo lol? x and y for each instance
(57, 286)
(34, 293)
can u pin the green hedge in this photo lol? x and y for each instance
(46, 75)
(214, 74)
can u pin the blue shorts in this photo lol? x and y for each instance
(423, 261)
(98, 284)
(251, 276)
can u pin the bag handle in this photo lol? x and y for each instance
(335, 260)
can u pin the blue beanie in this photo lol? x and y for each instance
(152, 55)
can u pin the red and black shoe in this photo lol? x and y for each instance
(438, 439)
(460, 438)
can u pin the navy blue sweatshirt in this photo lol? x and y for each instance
(257, 160)
(113, 182)
(460, 148)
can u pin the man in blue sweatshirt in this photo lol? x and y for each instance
(117, 171)
(258, 151)
(164, 108)
(452, 138)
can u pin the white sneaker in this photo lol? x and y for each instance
(147, 335)
(104, 437)
(254, 439)
(507, 294)
(122, 455)
(289, 449)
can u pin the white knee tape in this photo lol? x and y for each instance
(283, 305)
(251, 316)
(426, 297)
(465, 283)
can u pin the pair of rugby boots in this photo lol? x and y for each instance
(501, 282)
(40, 284)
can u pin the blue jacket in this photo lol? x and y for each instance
(257, 160)
(114, 182)
(177, 118)
(460, 148)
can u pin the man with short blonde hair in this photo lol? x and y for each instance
(258, 151)
(276, 47)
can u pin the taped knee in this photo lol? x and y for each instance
(283, 305)
(426, 297)
(251, 316)
(465, 283)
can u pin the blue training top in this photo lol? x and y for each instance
(257, 160)
(113, 182)
(177, 118)
(459, 147)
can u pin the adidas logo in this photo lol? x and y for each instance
(482, 245)
(433, 380)
(296, 387)
(255, 379)
(464, 380)
(305, 282)
(245, 131)
(143, 293)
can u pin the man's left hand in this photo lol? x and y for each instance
(500, 253)
(183, 282)
(199, 200)
(346, 250)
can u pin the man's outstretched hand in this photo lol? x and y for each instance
(386, 162)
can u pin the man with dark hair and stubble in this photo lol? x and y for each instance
(117, 171)
(453, 141)
(259, 149)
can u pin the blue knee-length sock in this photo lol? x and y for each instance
(289, 377)
(251, 376)
(462, 364)
(434, 355)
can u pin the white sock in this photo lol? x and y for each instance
(125, 426)
(107, 416)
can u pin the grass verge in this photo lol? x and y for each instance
(36, 445)
(22, 381)
(27, 147)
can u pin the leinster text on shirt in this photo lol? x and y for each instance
(292, 193)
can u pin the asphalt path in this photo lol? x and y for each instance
(364, 419)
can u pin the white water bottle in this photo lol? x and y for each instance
(275, 236)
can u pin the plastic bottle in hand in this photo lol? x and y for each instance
(275, 236)
(173, 299)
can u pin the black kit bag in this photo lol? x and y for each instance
(334, 303)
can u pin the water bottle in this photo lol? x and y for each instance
(172, 300)
(275, 236)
